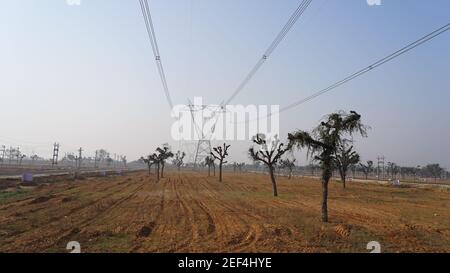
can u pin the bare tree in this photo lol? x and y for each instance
(235, 166)
(220, 153)
(240, 167)
(151, 160)
(178, 161)
(269, 155)
(312, 168)
(367, 168)
(164, 154)
(124, 160)
(289, 165)
(21, 157)
(323, 143)
(344, 157)
(209, 161)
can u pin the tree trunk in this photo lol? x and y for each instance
(162, 170)
(220, 172)
(157, 172)
(343, 174)
(274, 183)
(214, 168)
(325, 179)
(324, 201)
(209, 170)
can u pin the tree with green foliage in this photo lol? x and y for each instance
(392, 169)
(323, 142)
(288, 164)
(344, 157)
(367, 168)
(433, 170)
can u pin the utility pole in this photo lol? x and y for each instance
(80, 157)
(2, 154)
(96, 159)
(55, 154)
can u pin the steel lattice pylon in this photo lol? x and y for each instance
(203, 150)
(204, 135)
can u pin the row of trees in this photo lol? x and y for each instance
(329, 145)
(159, 159)
(393, 170)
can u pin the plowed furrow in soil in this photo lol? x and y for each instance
(22, 208)
(190, 212)
(151, 216)
(57, 209)
(71, 220)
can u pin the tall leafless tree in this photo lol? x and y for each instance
(220, 153)
(164, 153)
(323, 142)
(269, 154)
(149, 161)
(178, 161)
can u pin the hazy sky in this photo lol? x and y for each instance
(85, 75)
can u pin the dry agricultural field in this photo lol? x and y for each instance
(189, 212)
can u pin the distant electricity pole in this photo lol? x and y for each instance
(80, 157)
(380, 161)
(3, 154)
(55, 154)
(96, 159)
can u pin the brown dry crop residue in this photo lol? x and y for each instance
(189, 212)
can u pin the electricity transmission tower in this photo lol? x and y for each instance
(380, 161)
(203, 133)
(55, 154)
(2, 154)
(96, 159)
(80, 157)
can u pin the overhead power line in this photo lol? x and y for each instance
(152, 36)
(369, 68)
(363, 71)
(294, 18)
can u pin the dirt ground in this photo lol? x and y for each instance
(190, 212)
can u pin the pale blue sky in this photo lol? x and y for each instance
(84, 75)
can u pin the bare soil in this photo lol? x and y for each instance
(190, 212)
